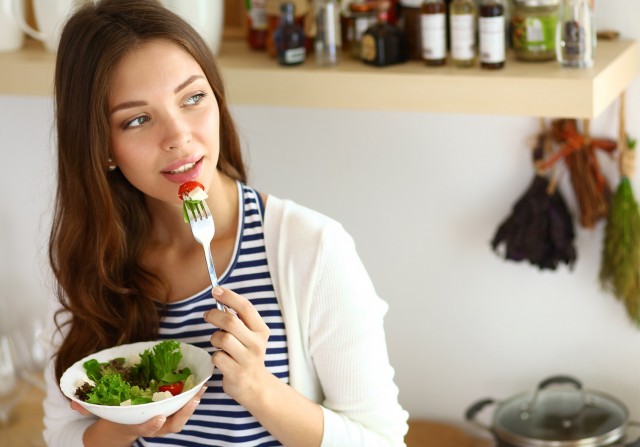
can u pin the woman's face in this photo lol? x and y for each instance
(164, 120)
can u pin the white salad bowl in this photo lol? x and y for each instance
(196, 359)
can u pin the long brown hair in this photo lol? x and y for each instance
(100, 223)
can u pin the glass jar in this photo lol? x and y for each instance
(575, 34)
(534, 29)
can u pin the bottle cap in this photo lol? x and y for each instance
(411, 3)
(272, 7)
(287, 8)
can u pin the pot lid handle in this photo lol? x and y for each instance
(473, 410)
(559, 379)
(527, 407)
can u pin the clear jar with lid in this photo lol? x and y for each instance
(533, 27)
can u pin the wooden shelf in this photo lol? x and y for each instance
(532, 89)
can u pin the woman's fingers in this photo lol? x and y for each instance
(228, 343)
(79, 408)
(152, 427)
(157, 426)
(176, 422)
(244, 311)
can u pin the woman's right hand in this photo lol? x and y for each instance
(106, 433)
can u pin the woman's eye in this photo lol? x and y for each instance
(195, 99)
(136, 122)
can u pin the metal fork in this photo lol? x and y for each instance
(203, 229)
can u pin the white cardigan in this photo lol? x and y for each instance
(334, 322)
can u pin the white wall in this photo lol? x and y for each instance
(422, 194)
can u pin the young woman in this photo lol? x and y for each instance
(140, 109)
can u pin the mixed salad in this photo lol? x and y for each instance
(191, 193)
(156, 377)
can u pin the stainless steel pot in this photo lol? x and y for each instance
(557, 416)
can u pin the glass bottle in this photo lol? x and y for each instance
(491, 27)
(362, 15)
(433, 27)
(462, 25)
(409, 22)
(328, 41)
(256, 20)
(289, 37)
(575, 39)
(383, 44)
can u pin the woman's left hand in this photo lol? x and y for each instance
(242, 338)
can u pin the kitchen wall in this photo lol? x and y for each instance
(422, 195)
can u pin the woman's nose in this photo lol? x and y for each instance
(176, 133)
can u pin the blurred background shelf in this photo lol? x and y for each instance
(252, 78)
(533, 89)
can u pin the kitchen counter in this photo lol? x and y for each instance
(25, 429)
(25, 425)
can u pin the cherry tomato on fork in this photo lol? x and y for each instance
(187, 187)
(173, 388)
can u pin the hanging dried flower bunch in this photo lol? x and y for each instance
(590, 186)
(620, 262)
(540, 227)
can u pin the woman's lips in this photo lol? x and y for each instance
(180, 163)
(181, 177)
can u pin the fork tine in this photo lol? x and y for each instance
(193, 215)
(204, 209)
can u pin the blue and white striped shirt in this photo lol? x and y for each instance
(219, 420)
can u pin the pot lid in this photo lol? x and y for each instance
(561, 418)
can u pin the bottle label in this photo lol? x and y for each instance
(434, 41)
(534, 34)
(462, 36)
(295, 55)
(574, 40)
(361, 24)
(492, 44)
(368, 48)
(258, 15)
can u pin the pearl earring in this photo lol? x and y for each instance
(112, 166)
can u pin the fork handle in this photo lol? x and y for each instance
(212, 274)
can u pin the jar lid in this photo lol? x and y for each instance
(362, 7)
(537, 3)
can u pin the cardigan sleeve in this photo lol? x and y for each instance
(340, 322)
(63, 427)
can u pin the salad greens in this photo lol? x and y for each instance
(116, 382)
(192, 203)
(193, 206)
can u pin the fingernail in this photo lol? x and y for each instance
(205, 315)
(217, 291)
(160, 421)
(203, 390)
(194, 403)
